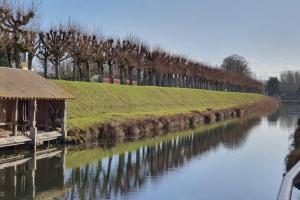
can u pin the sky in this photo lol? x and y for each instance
(265, 32)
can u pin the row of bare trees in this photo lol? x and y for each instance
(90, 56)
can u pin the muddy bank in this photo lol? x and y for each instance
(149, 127)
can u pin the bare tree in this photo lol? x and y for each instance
(31, 45)
(43, 54)
(3, 57)
(56, 42)
(75, 51)
(85, 46)
(110, 55)
(123, 49)
(7, 47)
(14, 19)
(153, 67)
(237, 64)
(98, 56)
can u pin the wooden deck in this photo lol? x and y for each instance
(14, 163)
(21, 159)
(48, 136)
(20, 140)
(14, 141)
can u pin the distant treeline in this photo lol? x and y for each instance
(72, 52)
(287, 84)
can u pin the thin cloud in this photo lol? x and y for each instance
(264, 70)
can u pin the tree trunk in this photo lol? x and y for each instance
(138, 76)
(187, 82)
(111, 72)
(153, 79)
(184, 81)
(180, 81)
(145, 79)
(165, 78)
(56, 65)
(150, 75)
(125, 75)
(191, 82)
(74, 71)
(157, 79)
(177, 80)
(130, 73)
(9, 58)
(30, 58)
(100, 71)
(46, 67)
(16, 52)
(17, 59)
(170, 84)
(122, 70)
(80, 71)
(88, 72)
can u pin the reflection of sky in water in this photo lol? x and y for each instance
(253, 171)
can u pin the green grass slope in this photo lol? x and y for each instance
(97, 103)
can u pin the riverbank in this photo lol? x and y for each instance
(223, 132)
(106, 111)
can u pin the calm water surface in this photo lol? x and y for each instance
(242, 159)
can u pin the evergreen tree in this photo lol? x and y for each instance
(272, 87)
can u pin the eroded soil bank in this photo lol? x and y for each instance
(149, 127)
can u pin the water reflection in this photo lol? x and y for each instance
(25, 175)
(120, 174)
(286, 115)
(43, 174)
(125, 173)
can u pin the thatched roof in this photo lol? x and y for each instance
(25, 84)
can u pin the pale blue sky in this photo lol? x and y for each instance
(265, 32)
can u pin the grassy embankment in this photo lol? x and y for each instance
(99, 103)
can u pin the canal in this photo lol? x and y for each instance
(238, 159)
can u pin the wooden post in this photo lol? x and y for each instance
(15, 180)
(47, 117)
(33, 129)
(64, 120)
(33, 168)
(64, 160)
(15, 118)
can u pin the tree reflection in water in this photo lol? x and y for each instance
(128, 172)
(47, 177)
(286, 116)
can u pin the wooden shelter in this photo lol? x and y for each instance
(31, 107)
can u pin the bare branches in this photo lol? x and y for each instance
(15, 20)
(56, 42)
(236, 64)
(135, 60)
